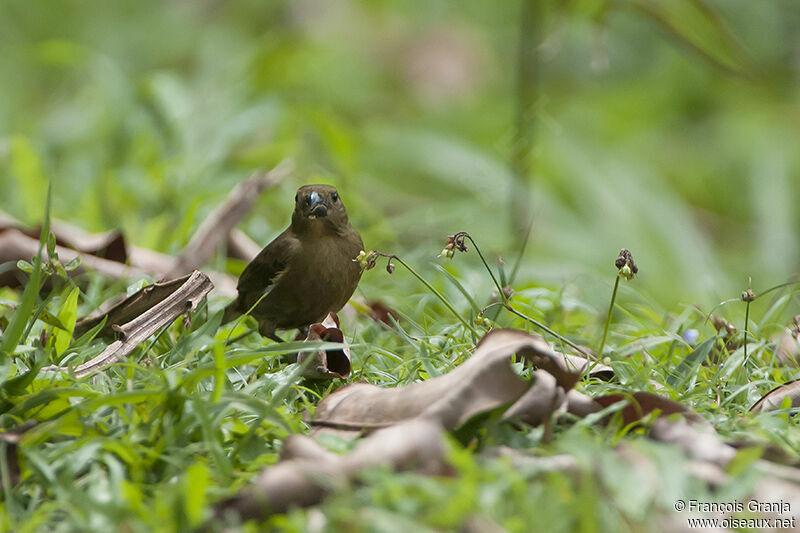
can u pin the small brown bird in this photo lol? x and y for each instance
(308, 271)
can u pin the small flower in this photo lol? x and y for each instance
(691, 336)
(748, 295)
(454, 242)
(447, 253)
(482, 321)
(366, 259)
(390, 267)
(625, 264)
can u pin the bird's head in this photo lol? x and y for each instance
(318, 205)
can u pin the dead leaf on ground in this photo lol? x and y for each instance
(577, 363)
(697, 442)
(307, 472)
(773, 400)
(187, 294)
(16, 245)
(327, 364)
(641, 404)
(380, 312)
(483, 382)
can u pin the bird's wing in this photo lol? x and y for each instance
(264, 271)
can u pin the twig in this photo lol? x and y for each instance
(183, 300)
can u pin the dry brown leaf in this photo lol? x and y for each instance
(16, 245)
(183, 299)
(327, 364)
(308, 472)
(118, 310)
(641, 404)
(577, 363)
(539, 402)
(485, 381)
(697, 442)
(774, 399)
(380, 312)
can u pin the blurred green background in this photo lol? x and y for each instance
(668, 127)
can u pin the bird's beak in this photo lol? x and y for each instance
(316, 206)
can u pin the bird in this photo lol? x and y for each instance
(306, 272)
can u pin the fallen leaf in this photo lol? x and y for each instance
(539, 402)
(483, 382)
(184, 299)
(641, 404)
(327, 364)
(774, 399)
(380, 312)
(307, 472)
(576, 363)
(699, 443)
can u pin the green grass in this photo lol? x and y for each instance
(143, 115)
(149, 444)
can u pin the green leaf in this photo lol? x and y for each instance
(689, 366)
(67, 315)
(195, 482)
(698, 28)
(74, 263)
(14, 332)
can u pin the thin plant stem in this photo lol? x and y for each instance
(608, 318)
(432, 289)
(464, 234)
(545, 328)
(746, 326)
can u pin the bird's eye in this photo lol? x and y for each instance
(335, 197)
(308, 199)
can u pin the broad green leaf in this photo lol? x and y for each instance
(689, 366)
(16, 328)
(67, 315)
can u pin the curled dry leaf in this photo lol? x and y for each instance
(539, 402)
(118, 311)
(308, 472)
(15, 245)
(484, 382)
(774, 399)
(327, 364)
(577, 363)
(699, 443)
(641, 404)
(186, 295)
(104, 253)
(380, 312)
